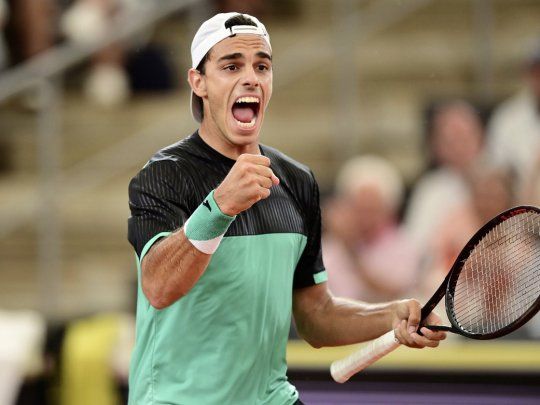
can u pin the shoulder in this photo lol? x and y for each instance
(170, 165)
(180, 153)
(289, 167)
(296, 178)
(177, 157)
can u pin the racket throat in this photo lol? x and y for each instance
(437, 328)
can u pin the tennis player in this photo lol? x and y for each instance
(227, 236)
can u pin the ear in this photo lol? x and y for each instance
(197, 82)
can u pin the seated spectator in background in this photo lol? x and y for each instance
(87, 20)
(529, 186)
(492, 190)
(32, 27)
(514, 131)
(365, 252)
(35, 25)
(454, 142)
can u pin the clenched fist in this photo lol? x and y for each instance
(249, 181)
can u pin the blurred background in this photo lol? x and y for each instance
(419, 118)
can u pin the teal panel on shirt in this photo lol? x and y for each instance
(225, 341)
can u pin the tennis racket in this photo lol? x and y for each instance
(492, 289)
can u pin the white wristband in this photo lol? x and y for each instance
(205, 246)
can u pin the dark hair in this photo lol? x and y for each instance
(238, 19)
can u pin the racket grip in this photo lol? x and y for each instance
(342, 370)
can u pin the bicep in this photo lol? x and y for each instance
(310, 301)
(153, 250)
(171, 268)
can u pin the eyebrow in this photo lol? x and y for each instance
(264, 55)
(231, 56)
(238, 55)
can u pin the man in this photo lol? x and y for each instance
(514, 129)
(367, 254)
(227, 235)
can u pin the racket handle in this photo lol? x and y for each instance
(342, 370)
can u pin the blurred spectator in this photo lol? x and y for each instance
(95, 359)
(22, 335)
(365, 252)
(529, 186)
(87, 20)
(491, 192)
(514, 130)
(34, 27)
(454, 141)
(31, 29)
(32, 24)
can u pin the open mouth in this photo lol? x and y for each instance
(245, 111)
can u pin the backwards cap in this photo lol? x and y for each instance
(210, 33)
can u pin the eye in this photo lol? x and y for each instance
(231, 67)
(263, 67)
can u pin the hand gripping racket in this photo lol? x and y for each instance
(492, 289)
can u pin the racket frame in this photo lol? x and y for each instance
(447, 287)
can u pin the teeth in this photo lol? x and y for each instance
(248, 100)
(247, 124)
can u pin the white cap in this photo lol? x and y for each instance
(210, 33)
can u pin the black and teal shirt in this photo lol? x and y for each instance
(225, 341)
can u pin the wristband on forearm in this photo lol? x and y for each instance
(207, 225)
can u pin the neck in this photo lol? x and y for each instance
(218, 141)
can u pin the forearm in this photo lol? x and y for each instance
(171, 269)
(340, 321)
(324, 320)
(346, 321)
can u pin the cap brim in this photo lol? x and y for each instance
(196, 107)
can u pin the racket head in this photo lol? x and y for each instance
(475, 305)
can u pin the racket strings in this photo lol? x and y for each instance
(509, 286)
(473, 259)
(509, 314)
(513, 287)
(510, 290)
(502, 289)
(528, 291)
(499, 280)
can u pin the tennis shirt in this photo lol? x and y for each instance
(225, 341)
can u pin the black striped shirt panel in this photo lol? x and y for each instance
(178, 178)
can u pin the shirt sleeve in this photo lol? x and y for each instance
(310, 269)
(158, 200)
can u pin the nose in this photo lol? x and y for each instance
(250, 78)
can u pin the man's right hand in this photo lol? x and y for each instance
(248, 182)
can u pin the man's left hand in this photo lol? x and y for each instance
(406, 323)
